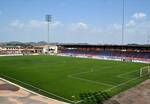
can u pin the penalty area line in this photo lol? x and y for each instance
(122, 83)
(91, 81)
(109, 89)
(87, 80)
(120, 75)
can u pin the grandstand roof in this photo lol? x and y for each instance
(141, 48)
(104, 45)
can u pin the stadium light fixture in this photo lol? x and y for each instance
(123, 12)
(48, 19)
(122, 37)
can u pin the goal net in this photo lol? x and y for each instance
(145, 71)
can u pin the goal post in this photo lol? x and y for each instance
(145, 71)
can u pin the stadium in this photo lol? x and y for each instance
(70, 69)
(88, 69)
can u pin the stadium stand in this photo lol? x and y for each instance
(138, 52)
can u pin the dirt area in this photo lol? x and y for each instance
(12, 94)
(8, 87)
(137, 95)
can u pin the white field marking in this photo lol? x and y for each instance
(91, 81)
(87, 80)
(35, 88)
(109, 89)
(82, 72)
(91, 70)
(122, 83)
(130, 72)
(126, 73)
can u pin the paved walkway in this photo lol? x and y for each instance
(11, 94)
(139, 94)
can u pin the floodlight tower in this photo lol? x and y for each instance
(123, 22)
(123, 12)
(48, 20)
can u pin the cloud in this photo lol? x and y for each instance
(57, 24)
(80, 26)
(136, 19)
(33, 24)
(36, 24)
(131, 23)
(115, 26)
(135, 32)
(17, 24)
(139, 15)
(42, 24)
(86, 28)
(85, 32)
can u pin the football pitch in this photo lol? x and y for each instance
(63, 77)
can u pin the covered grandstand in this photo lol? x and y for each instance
(128, 52)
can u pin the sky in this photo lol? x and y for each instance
(75, 21)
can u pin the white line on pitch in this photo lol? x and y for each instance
(126, 73)
(33, 87)
(90, 81)
(122, 83)
(118, 85)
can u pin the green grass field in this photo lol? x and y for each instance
(63, 77)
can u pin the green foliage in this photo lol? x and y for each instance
(94, 97)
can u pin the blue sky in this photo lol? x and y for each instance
(75, 21)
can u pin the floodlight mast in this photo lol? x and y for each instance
(48, 20)
(123, 12)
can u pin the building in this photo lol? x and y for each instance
(45, 49)
(38, 49)
(10, 50)
(50, 49)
